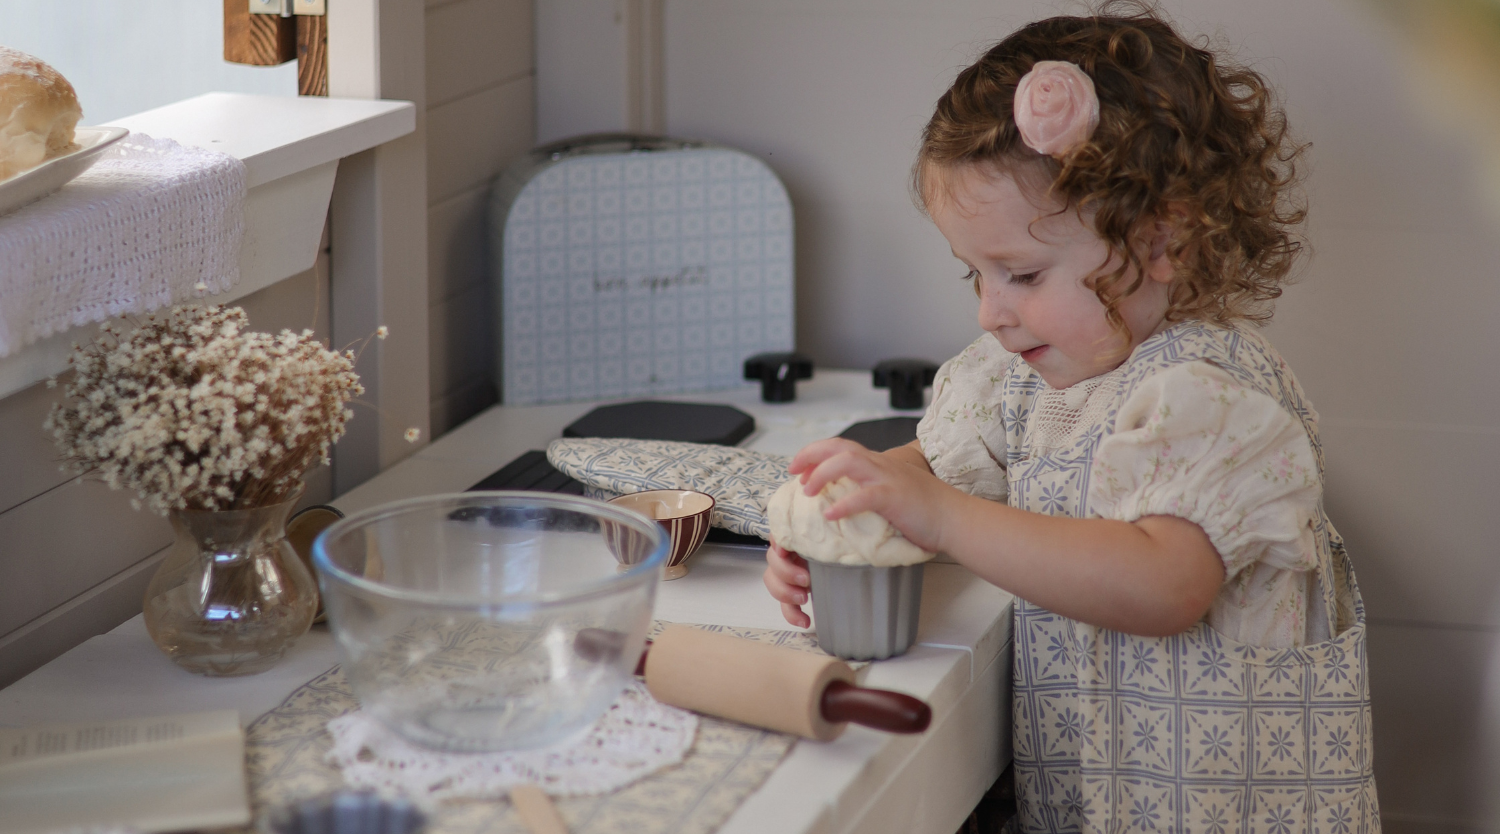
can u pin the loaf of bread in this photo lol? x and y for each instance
(797, 524)
(38, 111)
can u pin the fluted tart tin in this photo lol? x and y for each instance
(862, 612)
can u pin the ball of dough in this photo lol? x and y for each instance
(38, 111)
(797, 524)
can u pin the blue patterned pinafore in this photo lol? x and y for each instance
(1194, 732)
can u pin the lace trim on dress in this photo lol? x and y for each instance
(1061, 417)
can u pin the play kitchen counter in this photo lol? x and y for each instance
(865, 781)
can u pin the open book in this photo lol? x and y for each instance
(152, 774)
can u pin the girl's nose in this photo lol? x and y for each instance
(995, 311)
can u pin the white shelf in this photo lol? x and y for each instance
(291, 147)
(276, 136)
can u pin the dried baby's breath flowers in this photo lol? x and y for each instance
(193, 411)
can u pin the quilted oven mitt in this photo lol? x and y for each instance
(740, 481)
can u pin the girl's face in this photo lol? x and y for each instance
(1032, 262)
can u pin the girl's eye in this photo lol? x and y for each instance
(1024, 279)
(970, 275)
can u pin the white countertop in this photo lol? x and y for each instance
(865, 780)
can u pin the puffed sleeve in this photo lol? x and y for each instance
(1196, 444)
(962, 435)
(1193, 443)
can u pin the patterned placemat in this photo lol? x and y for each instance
(286, 748)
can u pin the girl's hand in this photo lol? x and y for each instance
(787, 579)
(912, 499)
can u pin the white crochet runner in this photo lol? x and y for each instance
(151, 224)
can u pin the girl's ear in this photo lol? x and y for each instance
(1159, 266)
(1160, 239)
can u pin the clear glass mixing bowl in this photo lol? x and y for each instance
(489, 620)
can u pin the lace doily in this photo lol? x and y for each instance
(636, 737)
(152, 223)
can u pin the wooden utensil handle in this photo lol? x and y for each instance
(840, 702)
(536, 810)
(880, 709)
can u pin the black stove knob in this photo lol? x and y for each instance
(778, 374)
(906, 378)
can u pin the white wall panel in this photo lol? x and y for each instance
(474, 138)
(460, 326)
(28, 457)
(476, 44)
(580, 55)
(67, 540)
(481, 116)
(1428, 755)
(456, 243)
(832, 96)
(458, 405)
(1416, 506)
(1396, 325)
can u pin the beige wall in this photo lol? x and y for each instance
(480, 88)
(1391, 331)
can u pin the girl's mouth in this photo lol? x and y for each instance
(1034, 353)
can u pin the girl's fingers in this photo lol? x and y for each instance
(777, 553)
(808, 456)
(862, 466)
(794, 615)
(788, 566)
(818, 451)
(786, 576)
(787, 580)
(791, 575)
(783, 591)
(862, 500)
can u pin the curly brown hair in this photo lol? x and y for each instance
(1183, 138)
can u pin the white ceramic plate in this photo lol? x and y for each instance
(56, 172)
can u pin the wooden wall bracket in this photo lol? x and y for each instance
(312, 55)
(268, 33)
(260, 40)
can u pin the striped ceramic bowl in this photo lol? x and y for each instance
(683, 512)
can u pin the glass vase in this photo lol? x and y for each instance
(231, 596)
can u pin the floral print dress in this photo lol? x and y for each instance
(1258, 717)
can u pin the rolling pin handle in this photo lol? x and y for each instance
(880, 709)
(640, 665)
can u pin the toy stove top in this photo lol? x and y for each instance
(708, 422)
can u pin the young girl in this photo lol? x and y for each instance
(1122, 451)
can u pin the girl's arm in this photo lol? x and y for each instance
(1155, 576)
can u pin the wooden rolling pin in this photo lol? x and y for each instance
(755, 683)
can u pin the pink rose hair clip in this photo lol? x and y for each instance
(1056, 108)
